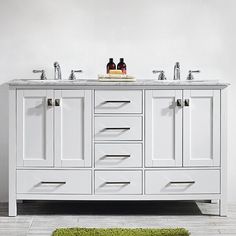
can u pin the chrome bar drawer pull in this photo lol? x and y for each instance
(117, 128)
(52, 182)
(182, 182)
(117, 102)
(49, 102)
(117, 156)
(117, 182)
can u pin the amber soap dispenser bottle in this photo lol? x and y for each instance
(110, 65)
(122, 66)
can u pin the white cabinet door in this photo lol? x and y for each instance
(73, 134)
(201, 124)
(163, 128)
(34, 128)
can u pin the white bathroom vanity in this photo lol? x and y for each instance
(91, 140)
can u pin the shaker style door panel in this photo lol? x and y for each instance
(163, 128)
(73, 120)
(201, 124)
(34, 128)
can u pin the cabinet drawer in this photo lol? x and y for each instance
(118, 182)
(54, 181)
(182, 181)
(122, 101)
(118, 128)
(118, 155)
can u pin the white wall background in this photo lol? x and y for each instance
(149, 34)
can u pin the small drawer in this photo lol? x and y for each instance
(182, 182)
(118, 128)
(118, 155)
(54, 181)
(118, 182)
(122, 101)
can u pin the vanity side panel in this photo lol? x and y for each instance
(223, 154)
(12, 209)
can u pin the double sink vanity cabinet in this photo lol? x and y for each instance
(91, 140)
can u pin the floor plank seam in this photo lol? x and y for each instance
(31, 222)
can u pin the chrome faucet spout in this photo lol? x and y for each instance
(177, 71)
(57, 71)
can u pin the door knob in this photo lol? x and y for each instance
(186, 102)
(179, 103)
(49, 102)
(57, 102)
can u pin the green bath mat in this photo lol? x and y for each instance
(120, 232)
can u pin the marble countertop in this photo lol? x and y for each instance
(95, 82)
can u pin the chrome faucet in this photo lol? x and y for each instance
(57, 71)
(177, 71)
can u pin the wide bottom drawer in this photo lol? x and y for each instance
(54, 181)
(182, 181)
(118, 182)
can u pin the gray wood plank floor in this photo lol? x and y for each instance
(43, 217)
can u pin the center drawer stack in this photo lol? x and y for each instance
(118, 146)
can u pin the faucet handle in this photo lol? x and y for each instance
(161, 76)
(72, 74)
(190, 74)
(43, 75)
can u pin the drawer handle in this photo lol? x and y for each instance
(117, 156)
(117, 102)
(117, 128)
(117, 182)
(182, 182)
(50, 182)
